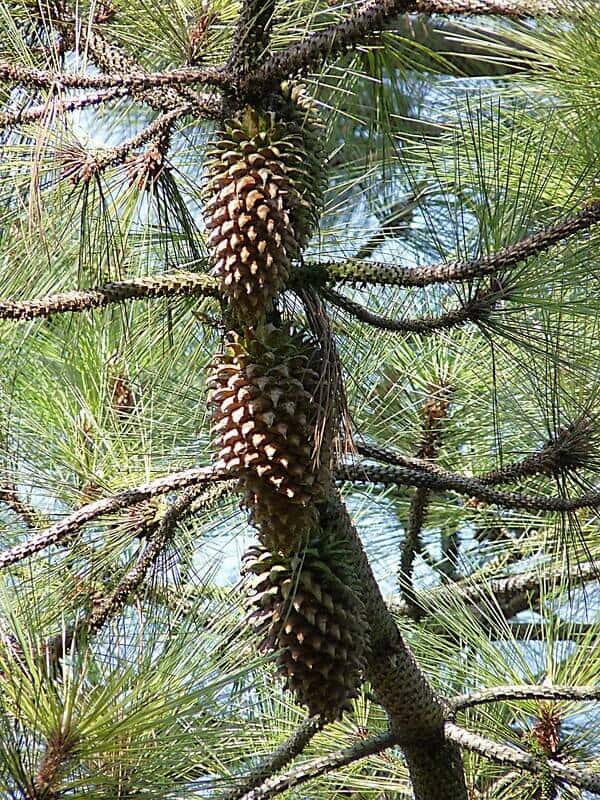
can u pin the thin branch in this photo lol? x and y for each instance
(317, 47)
(369, 17)
(497, 694)
(55, 107)
(435, 410)
(516, 9)
(28, 515)
(58, 752)
(131, 582)
(570, 449)
(44, 79)
(472, 310)
(320, 766)
(169, 285)
(354, 271)
(512, 595)
(75, 521)
(506, 588)
(442, 480)
(82, 165)
(293, 746)
(398, 218)
(511, 756)
(110, 58)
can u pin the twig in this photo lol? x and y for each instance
(497, 694)
(317, 47)
(570, 449)
(58, 752)
(505, 754)
(513, 594)
(12, 118)
(442, 480)
(319, 766)
(87, 166)
(71, 524)
(516, 9)
(286, 752)
(354, 271)
(110, 58)
(435, 409)
(44, 79)
(472, 310)
(169, 285)
(401, 211)
(28, 515)
(113, 604)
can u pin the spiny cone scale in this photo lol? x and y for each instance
(263, 198)
(263, 388)
(304, 607)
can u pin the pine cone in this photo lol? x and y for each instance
(264, 388)
(305, 607)
(262, 202)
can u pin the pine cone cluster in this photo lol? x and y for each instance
(264, 389)
(304, 607)
(262, 201)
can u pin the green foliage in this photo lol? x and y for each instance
(425, 165)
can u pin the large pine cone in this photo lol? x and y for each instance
(264, 388)
(263, 199)
(305, 608)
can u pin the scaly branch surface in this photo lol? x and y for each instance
(287, 751)
(374, 272)
(168, 285)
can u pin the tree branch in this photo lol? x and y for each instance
(169, 285)
(12, 118)
(110, 58)
(497, 694)
(354, 271)
(570, 449)
(44, 79)
(369, 17)
(515, 9)
(435, 410)
(472, 310)
(131, 582)
(317, 47)
(28, 515)
(286, 752)
(414, 710)
(511, 756)
(75, 521)
(319, 766)
(83, 165)
(512, 595)
(441, 480)
(252, 34)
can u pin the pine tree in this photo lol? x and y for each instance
(299, 426)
